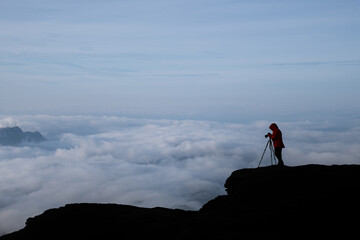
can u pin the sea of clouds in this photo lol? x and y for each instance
(147, 162)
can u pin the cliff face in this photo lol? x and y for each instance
(311, 198)
(315, 186)
(273, 202)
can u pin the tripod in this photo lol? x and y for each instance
(272, 153)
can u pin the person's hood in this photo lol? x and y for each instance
(273, 126)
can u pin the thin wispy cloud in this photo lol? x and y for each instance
(316, 63)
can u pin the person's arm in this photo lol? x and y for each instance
(272, 136)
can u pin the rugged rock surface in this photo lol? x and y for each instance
(272, 202)
(12, 136)
(303, 199)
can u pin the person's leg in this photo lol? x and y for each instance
(278, 155)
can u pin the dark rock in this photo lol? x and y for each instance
(273, 202)
(295, 186)
(104, 221)
(311, 198)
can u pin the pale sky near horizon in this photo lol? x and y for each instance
(209, 60)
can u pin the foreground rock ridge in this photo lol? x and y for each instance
(273, 202)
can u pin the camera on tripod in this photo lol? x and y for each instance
(267, 135)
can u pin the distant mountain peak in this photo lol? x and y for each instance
(12, 136)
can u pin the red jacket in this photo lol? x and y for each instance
(276, 136)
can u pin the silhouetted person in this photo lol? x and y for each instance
(276, 137)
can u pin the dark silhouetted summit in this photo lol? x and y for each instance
(273, 202)
(12, 136)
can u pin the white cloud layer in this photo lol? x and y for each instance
(144, 162)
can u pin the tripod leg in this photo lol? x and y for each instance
(273, 155)
(263, 153)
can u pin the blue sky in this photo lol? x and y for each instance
(209, 60)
